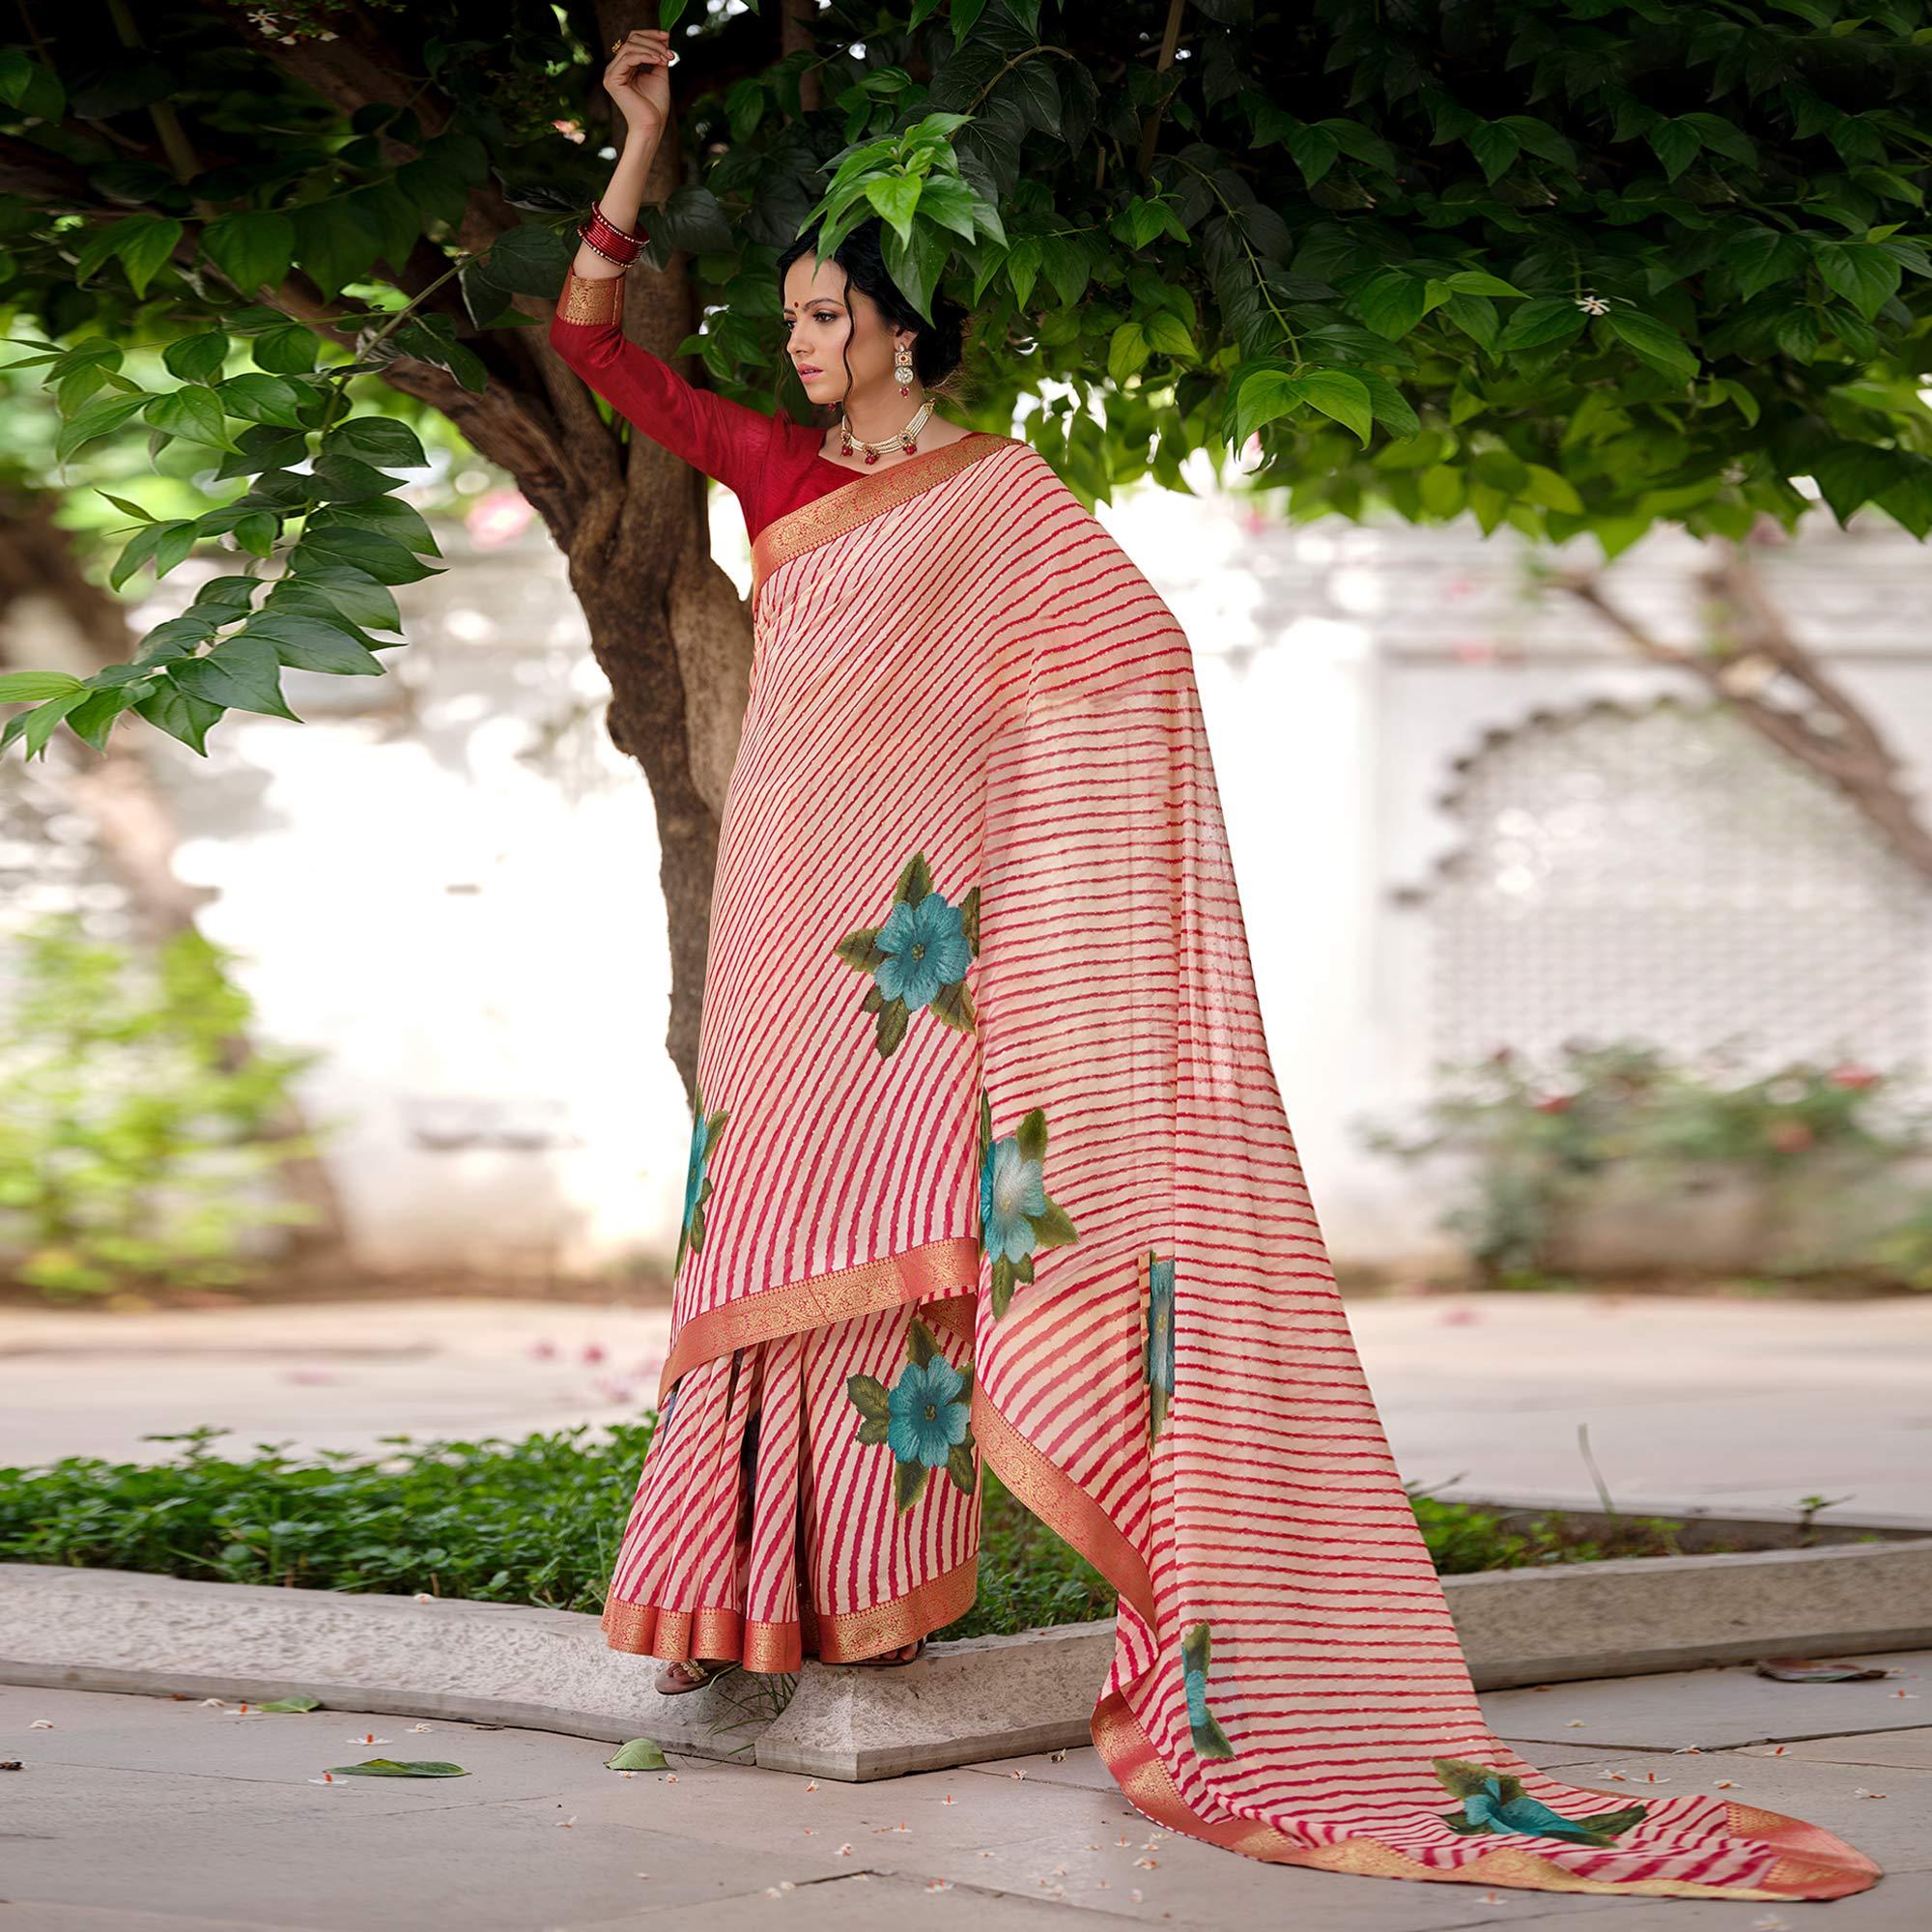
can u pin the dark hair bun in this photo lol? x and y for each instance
(936, 351)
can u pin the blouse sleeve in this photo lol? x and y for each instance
(725, 440)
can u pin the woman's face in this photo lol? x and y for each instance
(824, 334)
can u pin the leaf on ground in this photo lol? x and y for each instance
(389, 1767)
(1808, 1670)
(639, 1754)
(297, 1703)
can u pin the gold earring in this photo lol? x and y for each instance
(902, 368)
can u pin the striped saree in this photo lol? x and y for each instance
(990, 1160)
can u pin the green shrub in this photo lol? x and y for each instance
(538, 1521)
(1540, 1137)
(132, 1152)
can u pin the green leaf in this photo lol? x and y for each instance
(191, 412)
(240, 674)
(1477, 282)
(390, 1767)
(34, 89)
(639, 1754)
(1343, 397)
(1314, 151)
(262, 398)
(869, 1397)
(382, 558)
(1390, 405)
(1126, 351)
(351, 594)
(1675, 145)
(336, 241)
(254, 250)
(1392, 303)
(181, 716)
(921, 1346)
(347, 479)
(1168, 333)
(147, 545)
(147, 248)
(1854, 475)
(1655, 342)
(38, 725)
(1496, 149)
(98, 418)
(894, 198)
(29, 687)
(299, 1702)
(198, 359)
(286, 351)
(909, 1480)
(1539, 321)
(1864, 273)
(1553, 492)
(378, 440)
(1745, 403)
(1761, 257)
(309, 643)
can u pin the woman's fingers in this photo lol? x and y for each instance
(651, 44)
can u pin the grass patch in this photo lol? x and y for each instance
(538, 1521)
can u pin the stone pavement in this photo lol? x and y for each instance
(136, 1814)
(1688, 1399)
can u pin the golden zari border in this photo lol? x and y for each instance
(946, 1267)
(1066, 1508)
(648, 1631)
(598, 298)
(1125, 1750)
(846, 1636)
(845, 508)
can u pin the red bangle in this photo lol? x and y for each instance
(607, 239)
(597, 210)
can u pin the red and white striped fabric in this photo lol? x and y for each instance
(981, 1041)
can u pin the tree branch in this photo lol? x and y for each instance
(1853, 759)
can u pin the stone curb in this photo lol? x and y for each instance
(962, 1703)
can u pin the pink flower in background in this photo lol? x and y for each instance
(497, 517)
(1555, 1103)
(594, 1352)
(1790, 1137)
(544, 1351)
(570, 129)
(1853, 1077)
(1474, 650)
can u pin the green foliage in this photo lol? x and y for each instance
(1571, 264)
(131, 1153)
(1539, 1142)
(536, 1521)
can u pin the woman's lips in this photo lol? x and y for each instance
(806, 369)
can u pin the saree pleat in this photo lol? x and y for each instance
(981, 1058)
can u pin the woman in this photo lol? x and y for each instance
(989, 1158)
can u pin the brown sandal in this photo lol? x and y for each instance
(699, 1671)
(889, 1662)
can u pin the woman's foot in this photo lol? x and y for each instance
(691, 1673)
(907, 1653)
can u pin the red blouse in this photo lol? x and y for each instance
(770, 463)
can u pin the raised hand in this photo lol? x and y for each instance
(638, 80)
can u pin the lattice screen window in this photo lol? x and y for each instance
(1664, 876)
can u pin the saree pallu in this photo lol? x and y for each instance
(980, 1036)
